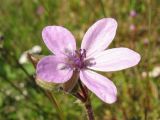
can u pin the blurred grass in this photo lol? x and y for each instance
(21, 23)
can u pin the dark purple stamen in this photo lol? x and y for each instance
(77, 60)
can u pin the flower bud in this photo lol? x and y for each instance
(45, 85)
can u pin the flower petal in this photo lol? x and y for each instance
(49, 70)
(58, 39)
(100, 85)
(115, 59)
(99, 35)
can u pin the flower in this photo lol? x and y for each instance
(23, 58)
(40, 10)
(132, 27)
(155, 72)
(133, 13)
(145, 41)
(34, 50)
(60, 67)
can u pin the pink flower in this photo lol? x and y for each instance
(133, 13)
(93, 55)
(132, 27)
(40, 10)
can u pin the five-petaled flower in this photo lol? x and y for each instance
(92, 55)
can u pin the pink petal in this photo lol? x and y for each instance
(50, 69)
(115, 59)
(99, 35)
(58, 39)
(100, 85)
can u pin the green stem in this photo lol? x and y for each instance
(55, 104)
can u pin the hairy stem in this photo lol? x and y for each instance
(84, 90)
(87, 101)
(89, 110)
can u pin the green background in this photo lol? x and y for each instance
(21, 23)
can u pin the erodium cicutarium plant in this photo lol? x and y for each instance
(92, 56)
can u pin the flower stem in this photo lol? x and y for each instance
(89, 109)
(87, 101)
(55, 104)
(84, 89)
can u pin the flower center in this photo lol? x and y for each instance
(77, 59)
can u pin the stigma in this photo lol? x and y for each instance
(76, 60)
